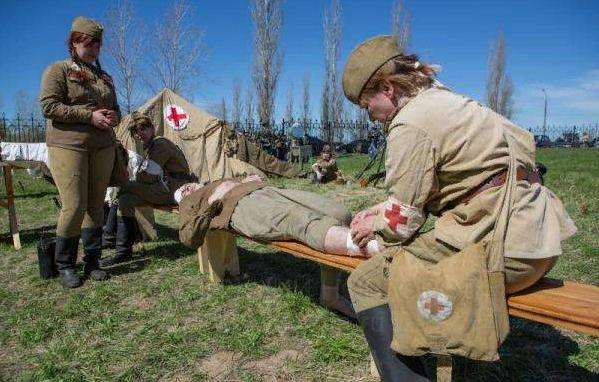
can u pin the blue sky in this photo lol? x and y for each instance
(550, 44)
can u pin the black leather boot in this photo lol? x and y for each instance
(392, 367)
(66, 257)
(125, 235)
(109, 230)
(92, 247)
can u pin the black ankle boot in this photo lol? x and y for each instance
(392, 367)
(92, 247)
(125, 234)
(65, 258)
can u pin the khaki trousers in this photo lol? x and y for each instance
(81, 178)
(136, 194)
(271, 214)
(369, 282)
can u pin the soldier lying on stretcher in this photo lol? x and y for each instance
(251, 208)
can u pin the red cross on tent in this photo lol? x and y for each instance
(395, 217)
(176, 117)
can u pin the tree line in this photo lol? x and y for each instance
(176, 55)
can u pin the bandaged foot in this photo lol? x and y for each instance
(339, 241)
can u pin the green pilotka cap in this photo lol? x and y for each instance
(87, 26)
(364, 61)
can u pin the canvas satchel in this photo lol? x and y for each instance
(456, 306)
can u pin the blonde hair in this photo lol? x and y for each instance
(406, 73)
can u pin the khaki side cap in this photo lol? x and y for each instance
(364, 61)
(87, 26)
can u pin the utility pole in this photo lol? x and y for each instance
(545, 114)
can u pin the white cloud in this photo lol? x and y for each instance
(573, 101)
(580, 93)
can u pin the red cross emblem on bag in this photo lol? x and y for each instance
(434, 305)
(176, 117)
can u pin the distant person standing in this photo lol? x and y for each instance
(79, 102)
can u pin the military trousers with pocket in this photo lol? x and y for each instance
(368, 284)
(270, 214)
(81, 178)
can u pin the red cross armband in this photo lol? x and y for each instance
(401, 220)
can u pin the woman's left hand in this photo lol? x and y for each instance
(362, 230)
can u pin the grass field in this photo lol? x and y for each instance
(158, 318)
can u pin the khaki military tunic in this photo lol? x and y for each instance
(81, 156)
(70, 93)
(163, 170)
(440, 147)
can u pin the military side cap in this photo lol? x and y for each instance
(87, 26)
(364, 61)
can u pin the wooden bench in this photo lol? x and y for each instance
(558, 303)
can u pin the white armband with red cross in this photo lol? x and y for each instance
(403, 220)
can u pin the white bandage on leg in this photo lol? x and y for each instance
(373, 247)
(351, 247)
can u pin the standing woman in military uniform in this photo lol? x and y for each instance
(79, 102)
(448, 156)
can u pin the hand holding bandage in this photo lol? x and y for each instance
(362, 228)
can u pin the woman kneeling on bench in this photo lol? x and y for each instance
(253, 209)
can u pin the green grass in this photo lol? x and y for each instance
(160, 319)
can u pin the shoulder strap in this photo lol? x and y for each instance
(497, 243)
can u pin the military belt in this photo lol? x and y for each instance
(522, 173)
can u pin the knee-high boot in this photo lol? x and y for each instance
(109, 230)
(125, 235)
(92, 247)
(65, 257)
(393, 367)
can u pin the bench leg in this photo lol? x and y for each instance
(329, 292)
(10, 204)
(218, 256)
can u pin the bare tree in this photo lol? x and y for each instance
(306, 100)
(267, 17)
(500, 88)
(249, 108)
(289, 108)
(26, 106)
(236, 110)
(178, 50)
(332, 100)
(124, 36)
(222, 110)
(401, 25)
